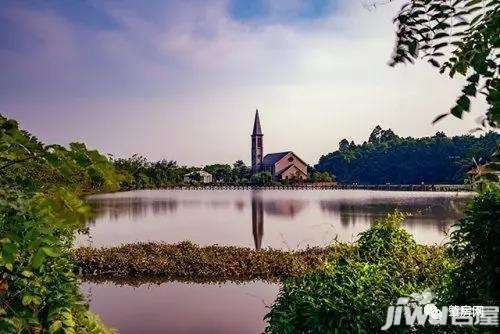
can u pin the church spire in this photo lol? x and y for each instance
(257, 144)
(256, 124)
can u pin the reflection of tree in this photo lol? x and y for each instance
(438, 211)
(115, 208)
(286, 208)
(257, 220)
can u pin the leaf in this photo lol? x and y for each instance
(50, 251)
(27, 273)
(440, 117)
(434, 62)
(470, 90)
(457, 111)
(440, 45)
(26, 300)
(55, 326)
(37, 259)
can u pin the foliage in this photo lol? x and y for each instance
(139, 173)
(220, 172)
(39, 213)
(261, 179)
(474, 242)
(28, 164)
(349, 295)
(187, 261)
(387, 158)
(467, 34)
(321, 177)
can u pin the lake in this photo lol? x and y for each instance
(174, 307)
(257, 219)
(283, 219)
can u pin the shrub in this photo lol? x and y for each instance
(352, 293)
(475, 244)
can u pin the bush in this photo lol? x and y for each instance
(352, 293)
(475, 244)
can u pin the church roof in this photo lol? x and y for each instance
(272, 158)
(291, 166)
(256, 124)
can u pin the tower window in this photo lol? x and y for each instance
(259, 141)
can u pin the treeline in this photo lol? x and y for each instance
(388, 158)
(138, 173)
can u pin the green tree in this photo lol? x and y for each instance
(261, 179)
(220, 172)
(459, 37)
(240, 171)
(431, 160)
(321, 177)
(343, 145)
(40, 212)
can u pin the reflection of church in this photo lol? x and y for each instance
(282, 166)
(257, 221)
(285, 208)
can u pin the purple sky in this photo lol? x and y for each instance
(181, 79)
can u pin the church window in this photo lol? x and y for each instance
(259, 141)
(290, 159)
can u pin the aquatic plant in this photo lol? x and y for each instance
(187, 261)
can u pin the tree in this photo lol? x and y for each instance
(240, 171)
(40, 212)
(343, 145)
(261, 179)
(467, 34)
(387, 135)
(220, 172)
(375, 135)
(321, 177)
(460, 37)
(433, 160)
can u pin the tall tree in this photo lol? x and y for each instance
(458, 37)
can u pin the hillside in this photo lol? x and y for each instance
(388, 158)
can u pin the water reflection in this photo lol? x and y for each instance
(257, 221)
(175, 307)
(292, 219)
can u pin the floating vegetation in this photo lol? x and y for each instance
(156, 262)
(188, 262)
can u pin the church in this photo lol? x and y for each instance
(282, 165)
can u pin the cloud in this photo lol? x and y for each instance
(178, 79)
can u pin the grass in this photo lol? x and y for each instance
(188, 262)
(146, 262)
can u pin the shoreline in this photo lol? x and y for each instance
(439, 188)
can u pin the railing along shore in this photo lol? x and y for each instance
(386, 187)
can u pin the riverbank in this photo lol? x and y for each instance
(311, 186)
(156, 262)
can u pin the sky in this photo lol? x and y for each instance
(181, 80)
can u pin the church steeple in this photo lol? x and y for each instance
(256, 125)
(257, 143)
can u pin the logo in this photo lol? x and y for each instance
(418, 309)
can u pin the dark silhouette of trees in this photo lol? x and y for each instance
(387, 158)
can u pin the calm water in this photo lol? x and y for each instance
(257, 219)
(175, 307)
(261, 219)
